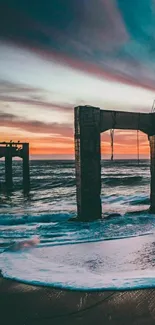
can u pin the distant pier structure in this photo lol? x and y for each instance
(9, 150)
(89, 122)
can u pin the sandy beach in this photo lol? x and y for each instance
(22, 304)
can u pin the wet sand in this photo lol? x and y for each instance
(22, 304)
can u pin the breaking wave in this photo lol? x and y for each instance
(78, 255)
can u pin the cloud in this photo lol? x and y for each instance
(8, 86)
(19, 93)
(101, 38)
(92, 36)
(35, 102)
(13, 121)
(75, 22)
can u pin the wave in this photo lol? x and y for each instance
(27, 219)
(140, 201)
(91, 240)
(55, 229)
(132, 180)
(106, 265)
(44, 183)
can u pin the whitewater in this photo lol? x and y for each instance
(116, 252)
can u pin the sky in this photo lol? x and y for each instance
(57, 54)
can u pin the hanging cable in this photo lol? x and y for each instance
(112, 144)
(138, 158)
(153, 107)
(112, 134)
(138, 146)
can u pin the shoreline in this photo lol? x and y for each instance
(23, 304)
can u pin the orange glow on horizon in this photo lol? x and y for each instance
(125, 143)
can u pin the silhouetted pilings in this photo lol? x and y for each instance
(88, 167)
(89, 122)
(26, 169)
(8, 150)
(8, 168)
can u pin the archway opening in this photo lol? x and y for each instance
(125, 181)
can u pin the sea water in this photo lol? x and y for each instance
(113, 253)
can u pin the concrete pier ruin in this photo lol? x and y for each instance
(89, 123)
(9, 150)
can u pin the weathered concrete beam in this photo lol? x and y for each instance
(87, 161)
(144, 122)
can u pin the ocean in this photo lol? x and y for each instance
(112, 253)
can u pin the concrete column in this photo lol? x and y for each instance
(26, 170)
(8, 168)
(152, 170)
(88, 162)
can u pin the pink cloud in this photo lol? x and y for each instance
(13, 121)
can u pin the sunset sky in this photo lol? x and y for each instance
(57, 54)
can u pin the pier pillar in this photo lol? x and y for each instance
(88, 162)
(8, 168)
(26, 170)
(152, 170)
